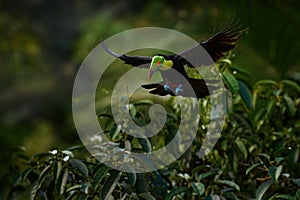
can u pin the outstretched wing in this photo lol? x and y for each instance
(216, 47)
(135, 61)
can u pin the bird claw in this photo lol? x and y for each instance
(178, 89)
(167, 87)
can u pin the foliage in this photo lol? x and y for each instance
(257, 155)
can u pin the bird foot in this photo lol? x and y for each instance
(178, 89)
(167, 87)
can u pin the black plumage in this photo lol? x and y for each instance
(216, 47)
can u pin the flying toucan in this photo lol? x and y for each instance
(176, 82)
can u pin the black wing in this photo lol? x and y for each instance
(216, 47)
(135, 61)
(200, 88)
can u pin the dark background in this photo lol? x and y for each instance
(43, 43)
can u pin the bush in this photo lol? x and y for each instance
(257, 155)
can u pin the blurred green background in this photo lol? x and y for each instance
(43, 43)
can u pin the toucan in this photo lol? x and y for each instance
(176, 82)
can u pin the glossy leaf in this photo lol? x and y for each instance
(34, 190)
(290, 104)
(175, 191)
(206, 174)
(275, 172)
(292, 84)
(80, 167)
(145, 143)
(99, 175)
(85, 187)
(270, 106)
(245, 94)
(241, 148)
(74, 187)
(297, 181)
(109, 184)
(285, 196)
(298, 193)
(229, 183)
(266, 82)
(198, 187)
(147, 196)
(68, 153)
(114, 131)
(239, 70)
(231, 82)
(252, 167)
(231, 195)
(131, 178)
(63, 182)
(263, 188)
(26, 172)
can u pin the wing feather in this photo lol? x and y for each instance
(216, 46)
(135, 61)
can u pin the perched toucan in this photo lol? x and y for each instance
(175, 83)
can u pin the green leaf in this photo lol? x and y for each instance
(241, 148)
(252, 167)
(292, 84)
(264, 155)
(279, 159)
(131, 178)
(74, 187)
(275, 172)
(298, 193)
(80, 167)
(39, 182)
(114, 131)
(132, 110)
(229, 183)
(239, 70)
(263, 188)
(266, 82)
(83, 197)
(34, 190)
(231, 195)
(145, 143)
(245, 94)
(198, 187)
(43, 174)
(63, 182)
(85, 187)
(225, 60)
(77, 147)
(290, 104)
(297, 181)
(109, 184)
(199, 168)
(231, 82)
(99, 175)
(270, 106)
(26, 172)
(143, 102)
(285, 196)
(147, 196)
(57, 169)
(206, 174)
(174, 192)
(68, 153)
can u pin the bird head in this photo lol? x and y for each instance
(159, 63)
